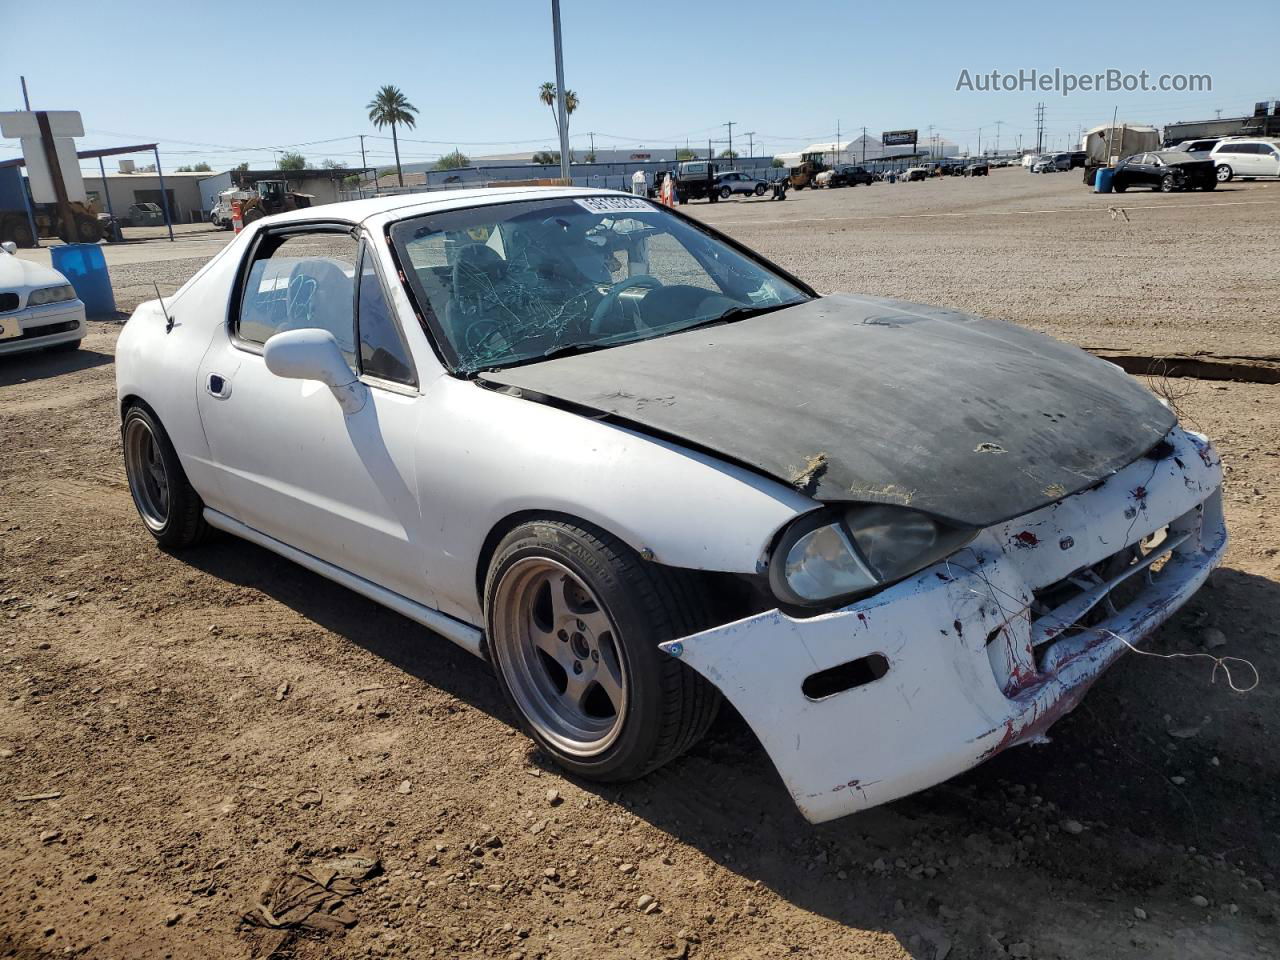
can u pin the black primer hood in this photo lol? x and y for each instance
(874, 400)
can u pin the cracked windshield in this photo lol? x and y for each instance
(512, 283)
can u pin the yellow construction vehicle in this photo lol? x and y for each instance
(273, 196)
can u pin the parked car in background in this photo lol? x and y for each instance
(978, 168)
(145, 215)
(734, 182)
(1204, 145)
(937, 532)
(1168, 170)
(915, 173)
(39, 309)
(844, 176)
(1052, 163)
(1246, 158)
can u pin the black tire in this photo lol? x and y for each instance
(1209, 185)
(725, 193)
(1223, 172)
(183, 523)
(1168, 183)
(1119, 187)
(760, 190)
(668, 705)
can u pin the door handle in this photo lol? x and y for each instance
(218, 386)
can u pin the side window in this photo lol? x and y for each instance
(300, 281)
(383, 352)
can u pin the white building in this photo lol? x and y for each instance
(143, 186)
(869, 148)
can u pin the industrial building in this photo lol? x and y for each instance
(129, 185)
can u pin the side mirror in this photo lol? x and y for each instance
(9, 247)
(313, 354)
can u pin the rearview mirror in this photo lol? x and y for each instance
(313, 354)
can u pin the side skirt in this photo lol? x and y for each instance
(464, 635)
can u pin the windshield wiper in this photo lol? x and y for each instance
(743, 312)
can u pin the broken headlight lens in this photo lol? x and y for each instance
(865, 548)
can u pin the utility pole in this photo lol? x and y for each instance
(364, 162)
(560, 109)
(1039, 128)
(1217, 113)
(751, 134)
(593, 144)
(26, 102)
(864, 144)
(998, 123)
(931, 142)
(839, 152)
(979, 141)
(730, 148)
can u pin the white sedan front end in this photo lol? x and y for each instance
(38, 307)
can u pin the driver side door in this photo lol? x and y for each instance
(288, 461)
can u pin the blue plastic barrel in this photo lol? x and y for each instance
(85, 268)
(1102, 180)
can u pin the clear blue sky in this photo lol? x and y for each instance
(210, 82)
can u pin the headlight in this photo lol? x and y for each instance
(828, 555)
(51, 295)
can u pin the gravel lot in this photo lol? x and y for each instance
(202, 724)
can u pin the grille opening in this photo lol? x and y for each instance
(8, 301)
(1053, 597)
(845, 676)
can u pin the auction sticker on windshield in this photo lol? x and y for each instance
(615, 204)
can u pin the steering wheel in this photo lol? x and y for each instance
(605, 306)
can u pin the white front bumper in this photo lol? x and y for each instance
(972, 669)
(43, 326)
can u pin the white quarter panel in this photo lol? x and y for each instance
(487, 455)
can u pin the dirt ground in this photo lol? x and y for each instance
(178, 730)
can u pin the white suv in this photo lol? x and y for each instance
(1246, 157)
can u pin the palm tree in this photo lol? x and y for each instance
(391, 108)
(547, 94)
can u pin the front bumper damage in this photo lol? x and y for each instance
(977, 653)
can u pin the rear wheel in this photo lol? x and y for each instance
(760, 188)
(1223, 173)
(725, 193)
(1119, 187)
(170, 508)
(574, 618)
(1168, 183)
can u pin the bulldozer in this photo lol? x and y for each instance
(273, 196)
(804, 175)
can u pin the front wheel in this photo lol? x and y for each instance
(1223, 173)
(1119, 187)
(574, 620)
(1209, 185)
(1168, 184)
(169, 506)
(759, 191)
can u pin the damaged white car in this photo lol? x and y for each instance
(638, 468)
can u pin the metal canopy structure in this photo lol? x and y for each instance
(98, 154)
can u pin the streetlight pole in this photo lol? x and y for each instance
(560, 110)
